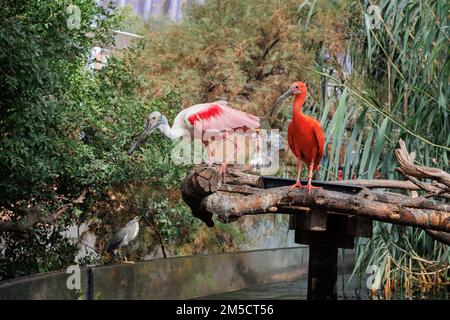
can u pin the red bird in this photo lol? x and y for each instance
(305, 135)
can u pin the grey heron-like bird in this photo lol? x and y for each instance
(124, 236)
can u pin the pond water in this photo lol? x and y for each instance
(297, 290)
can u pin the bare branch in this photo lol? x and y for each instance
(406, 161)
(34, 216)
(379, 183)
(433, 191)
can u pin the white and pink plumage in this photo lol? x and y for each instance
(211, 118)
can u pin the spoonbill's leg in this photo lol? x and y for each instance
(298, 184)
(309, 186)
(223, 167)
(236, 149)
(258, 146)
(210, 156)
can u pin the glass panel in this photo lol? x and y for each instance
(52, 286)
(173, 278)
(189, 277)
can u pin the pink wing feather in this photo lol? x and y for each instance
(217, 116)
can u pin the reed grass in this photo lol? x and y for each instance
(399, 90)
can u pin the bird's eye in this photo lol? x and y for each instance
(296, 87)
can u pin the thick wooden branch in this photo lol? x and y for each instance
(440, 236)
(197, 185)
(379, 183)
(206, 194)
(230, 207)
(34, 216)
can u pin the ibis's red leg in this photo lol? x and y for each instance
(309, 186)
(298, 184)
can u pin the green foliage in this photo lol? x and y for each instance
(63, 128)
(406, 258)
(398, 90)
(34, 38)
(40, 250)
(245, 51)
(407, 60)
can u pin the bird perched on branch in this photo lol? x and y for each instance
(214, 119)
(305, 134)
(124, 236)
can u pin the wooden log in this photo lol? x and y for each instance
(230, 208)
(386, 197)
(204, 192)
(197, 185)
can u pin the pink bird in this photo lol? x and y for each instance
(215, 118)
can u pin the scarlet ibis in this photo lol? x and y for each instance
(305, 134)
(216, 117)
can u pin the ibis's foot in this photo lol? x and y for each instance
(310, 187)
(127, 262)
(300, 186)
(297, 185)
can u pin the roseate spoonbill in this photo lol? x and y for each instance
(214, 117)
(305, 134)
(124, 236)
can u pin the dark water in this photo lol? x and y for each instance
(297, 290)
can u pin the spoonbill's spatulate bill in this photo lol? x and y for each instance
(305, 134)
(214, 117)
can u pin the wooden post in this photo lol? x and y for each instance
(322, 272)
(324, 232)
